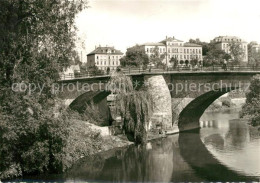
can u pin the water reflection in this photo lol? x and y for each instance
(201, 160)
(241, 148)
(223, 150)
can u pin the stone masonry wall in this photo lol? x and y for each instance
(161, 98)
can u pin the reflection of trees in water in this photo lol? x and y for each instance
(203, 163)
(160, 162)
(180, 157)
(238, 134)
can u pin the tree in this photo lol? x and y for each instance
(37, 42)
(206, 47)
(252, 106)
(253, 55)
(157, 58)
(194, 62)
(215, 56)
(236, 52)
(186, 62)
(135, 56)
(174, 62)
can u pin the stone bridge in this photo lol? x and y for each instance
(179, 98)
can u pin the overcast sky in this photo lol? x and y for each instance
(124, 23)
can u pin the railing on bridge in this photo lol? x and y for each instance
(130, 71)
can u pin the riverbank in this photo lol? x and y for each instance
(226, 103)
(85, 139)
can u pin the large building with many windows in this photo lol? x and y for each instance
(223, 42)
(174, 48)
(104, 57)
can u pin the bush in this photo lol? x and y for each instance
(33, 142)
(252, 107)
(226, 103)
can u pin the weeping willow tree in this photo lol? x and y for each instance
(134, 107)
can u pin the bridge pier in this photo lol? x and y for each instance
(161, 101)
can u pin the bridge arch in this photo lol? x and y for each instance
(190, 115)
(96, 100)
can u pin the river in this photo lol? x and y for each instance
(224, 149)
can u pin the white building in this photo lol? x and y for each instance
(174, 48)
(223, 42)
(104, 57)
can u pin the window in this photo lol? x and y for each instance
(187, 50)
(184, 56)
(101, 63)
(160, 50)
(97, 57)
(147, 50)
(184, 50)
(169, 50)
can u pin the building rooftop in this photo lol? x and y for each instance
(152, 44)
(227, 39)
(170, 39)
(105, 50)
(191, 45)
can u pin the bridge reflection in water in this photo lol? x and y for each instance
(178, 158)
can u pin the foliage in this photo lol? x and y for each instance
(174, 62)
(157, 58)
(236, 52)
(108, 70)
(82, 141)
(37, 42)
(206, 47)
(135, 107)
(194, 62)
(253, 56)
(135, 56)
(186, 62)
(95, 70)
(252, 106)
(215, 57)
(226, 103)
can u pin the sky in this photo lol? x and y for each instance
(124, 23)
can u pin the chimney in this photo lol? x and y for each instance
(173, 37)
